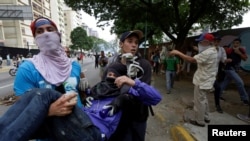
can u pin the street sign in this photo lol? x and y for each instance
(16, 12)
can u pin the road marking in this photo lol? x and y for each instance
(6, 86)
(160, 117)
(179, 133)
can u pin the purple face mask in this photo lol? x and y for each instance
(52, 61)
(48, 41)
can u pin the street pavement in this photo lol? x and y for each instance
(4, 68)
(167, 122)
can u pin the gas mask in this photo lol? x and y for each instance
(133, 66)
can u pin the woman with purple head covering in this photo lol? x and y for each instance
(47, 87)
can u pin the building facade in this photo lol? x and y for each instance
(57, 14)
(72, 20)
(17, 34)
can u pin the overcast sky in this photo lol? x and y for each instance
(105, 34)
(246, 21)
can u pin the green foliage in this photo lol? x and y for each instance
(175, 18)
(113, 45)
(99, 44)
(80, 40)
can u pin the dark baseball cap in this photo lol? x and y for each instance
(125, 35)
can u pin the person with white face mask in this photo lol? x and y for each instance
(201, 46)
(47, 86)
(203, 79)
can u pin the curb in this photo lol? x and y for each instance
(179, 133)
(4, 69)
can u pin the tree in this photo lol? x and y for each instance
(113, 45)
(98, 44)
(80, 40)
(173, 17)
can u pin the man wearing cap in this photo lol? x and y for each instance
(47, 84)
(203, 79)
(132, 126)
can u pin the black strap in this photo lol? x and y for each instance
(151, 110)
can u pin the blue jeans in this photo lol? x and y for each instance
(27, 119)
(233, 75)
(170, 75)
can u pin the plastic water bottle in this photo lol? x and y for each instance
(69, 89)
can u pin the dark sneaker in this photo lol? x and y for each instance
(221, 98)
(246, 102)
(218, 109)
(243, 117)
(207, 120)
(196, 123)
(168, 92)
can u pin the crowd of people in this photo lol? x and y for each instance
(216, 67)
(15, 60)
(55, 102)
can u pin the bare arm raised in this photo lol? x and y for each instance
(183, 56)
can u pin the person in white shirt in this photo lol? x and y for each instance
(203, 79)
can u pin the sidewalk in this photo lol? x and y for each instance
(171, 109)
(4, 67)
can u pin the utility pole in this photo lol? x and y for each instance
(145, 35)
(28, 47)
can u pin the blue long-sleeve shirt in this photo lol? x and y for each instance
(145, 93)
